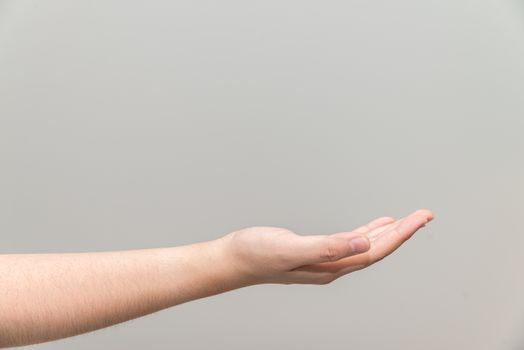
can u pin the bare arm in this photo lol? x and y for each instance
(52, 296)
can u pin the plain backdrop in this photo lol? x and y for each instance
(127, 124)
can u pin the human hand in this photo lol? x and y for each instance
(52, 296)
(278, 255)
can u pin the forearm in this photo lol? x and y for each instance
(51, 296)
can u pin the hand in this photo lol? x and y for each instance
(55, 295)
(278, 255)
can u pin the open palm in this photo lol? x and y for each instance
(278, 255)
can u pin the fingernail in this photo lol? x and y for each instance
(359, 244)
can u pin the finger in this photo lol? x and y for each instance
(380, 222)
(365, 229)
(376, 233)
(384, 240)
(391, 239)
(324, 248)
(327, 253)
(424, 212)
(385, 244)
(334, 247)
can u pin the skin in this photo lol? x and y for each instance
(52, 296)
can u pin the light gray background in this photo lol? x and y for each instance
(148, 124)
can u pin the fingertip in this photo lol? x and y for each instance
(410, 225)
(426, 213)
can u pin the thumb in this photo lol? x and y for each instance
(325, 248)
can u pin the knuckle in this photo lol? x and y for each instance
(330, 252)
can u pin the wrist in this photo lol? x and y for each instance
(203, 269)
(228, 264)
